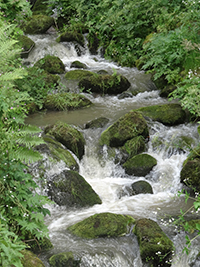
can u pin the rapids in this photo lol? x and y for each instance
(109, 179)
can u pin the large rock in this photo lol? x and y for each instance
(97, 123)
(64, 259)
(66, 101)
(190, 174)
(37, 24)
(125, 128)
(139, 165)
(26, 44)
(141, 187)
(71, 36)
(103, 225)
(105, 84)
(51, 64)
(168, 114)
(70, 189)
(155, 247)
(70, 137)
(30, 259)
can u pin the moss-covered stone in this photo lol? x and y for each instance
(51, 64)
(93, 43)
(64, 259)
(97, 123)
(141, 187)
(71, 36)
(103, 225)
(190, 174)
(70, 137)
(78, 65)
(26, 44)
(167, 90)
(155, 247)
(37, 245)
(40, 7)
(37, 24)
(66, 101)
(77, 74)
(30, 259)
(139, 165)
(105, 84)
(130, 125)
(168, 114)
(70, 189)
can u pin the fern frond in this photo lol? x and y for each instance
(29, 141)
(25, 155)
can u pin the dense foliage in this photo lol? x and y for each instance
(21, 208)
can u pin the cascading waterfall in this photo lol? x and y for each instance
(109, 179)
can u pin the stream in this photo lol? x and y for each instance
(109, 180)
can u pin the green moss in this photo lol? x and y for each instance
(64, 259)
(77, 74)
(30, 260)
(134, 146)
(103, 225)
(40, 7)
(37, 24)
(26, 44)
(168, 114)
(51, 64)
(70, 137)
(155, 246)
(139, 165)
(66, 101)
(125, 128)
(97, 123)
(79, 65)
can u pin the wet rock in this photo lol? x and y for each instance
(37, 24)
(78, 65)
(125, 95)
(51, 64)
(66, 101)
(168, 89)
(139, 165)
(155, 247)
(71, 36)
(190, 174)
(103, 225)
(31, 259)
(38, 245)
(97, 123)
(70, 137)
(105, 84)
(141, 187)
(168, 114)
(93, 43)
(70, 189)
(130, 125)
(66, 259)
(27, 45)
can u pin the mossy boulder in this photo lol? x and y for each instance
(168, 114)
(190, 174)
(58, 152)
(71, 36)
(78, 65)
(168, 89)
(51, 64)
(97, 123)
(105, 84)
(103, 225)
(130, 125)
(140, 165)
(66, 101)
(70, 137)
(77, 74)
(70, 189)
(38, 245)
(30, 259)
(37, 24)
(26, 44)
(155, 247)
(93, 43)
(64, 259)
(40, 7)
(132, 147)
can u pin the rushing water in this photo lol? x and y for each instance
(109, 179)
